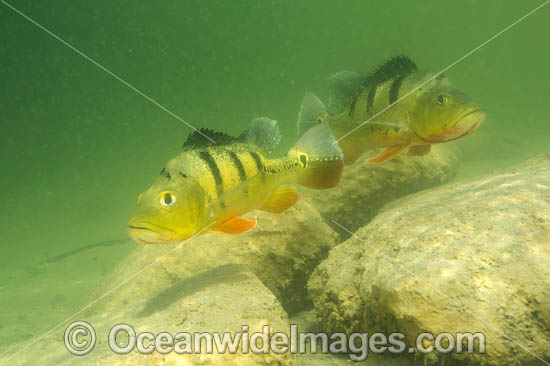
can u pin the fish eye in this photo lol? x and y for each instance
(442, 99)
(167, 199)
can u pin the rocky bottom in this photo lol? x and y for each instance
(471, 256)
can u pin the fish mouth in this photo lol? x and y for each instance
(148, 233)
(473, 119)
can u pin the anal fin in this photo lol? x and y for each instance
(419, 150)
(235, 225)
(388, 154)
(281, 199)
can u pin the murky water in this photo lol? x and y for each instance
(78, 145)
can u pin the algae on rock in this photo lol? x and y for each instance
(366, 187)
(472, 256)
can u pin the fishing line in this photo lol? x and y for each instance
(38, 339)
(387, 257)
(108, 71)
(201, 133)
(444, 70)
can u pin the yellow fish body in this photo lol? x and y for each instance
(404, 107)
(207, 186)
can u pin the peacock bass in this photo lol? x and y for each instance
(366, 112)
(209, 185)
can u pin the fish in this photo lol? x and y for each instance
(208, 186)
(397, 107)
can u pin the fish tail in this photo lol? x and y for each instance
(312, 113)
(319, 157)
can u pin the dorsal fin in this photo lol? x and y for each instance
(344, 86)
(262, 133)
(197, 140)
(394, 67)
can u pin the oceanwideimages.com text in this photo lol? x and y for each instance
(123, 339)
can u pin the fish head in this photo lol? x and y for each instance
(169, 212)
(443, 113)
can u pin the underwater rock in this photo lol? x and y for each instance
(308, 321)
(472, 256)
(366, 187)
(220, 300)
(283, 250)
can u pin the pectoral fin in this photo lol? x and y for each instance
(419, 150)
(283, 198)
(388, 154)
(235, 225)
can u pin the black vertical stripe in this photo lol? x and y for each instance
(258, 161)
(352, 106)
(211, 163)
(238, 164)
(370, 98)
(394, 89)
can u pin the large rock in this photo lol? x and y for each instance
(219, 300)
(366, 187)
(307, 321)
(471, 257)
(283, 250)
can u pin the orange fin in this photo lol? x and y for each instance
(419, 150)
(235, 225)
(388, 154)
(281, 199)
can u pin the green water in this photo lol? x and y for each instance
(78, 146)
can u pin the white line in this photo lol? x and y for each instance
(441, 293)
(38, 339)
(184, 122)
(442, 71)
(108, 71)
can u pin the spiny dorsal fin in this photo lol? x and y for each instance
(262, 133)
(394, 67)
(197, 140)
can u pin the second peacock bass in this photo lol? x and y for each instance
(397, 107)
